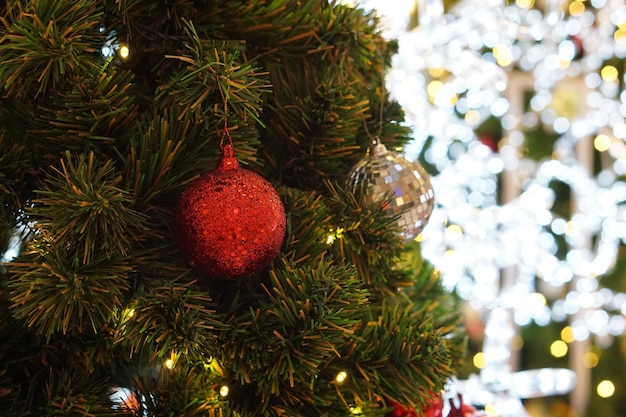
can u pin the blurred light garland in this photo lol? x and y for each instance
(499, 232)
(458, 70)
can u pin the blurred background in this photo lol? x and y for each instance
(518, 111)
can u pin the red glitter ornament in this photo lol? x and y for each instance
(230, 222)
(432, 408)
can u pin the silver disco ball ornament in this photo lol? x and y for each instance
(387, 176)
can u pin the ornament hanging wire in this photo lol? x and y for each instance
(376, 139)
(225, 132)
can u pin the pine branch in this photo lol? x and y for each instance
(97, 112)
(188, 392)
(369, 240)
(173, 319)
(216, 74)
(82, 206)
(276, 348)
(14, 166)
(157, 162)
(65, 395)
(55, 294)
(309, 226)
(47, 44)
(395, 356)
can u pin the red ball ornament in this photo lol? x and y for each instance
(230, 222)
(432, 408)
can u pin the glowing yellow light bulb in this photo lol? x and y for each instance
(479, 360)
(472, 117)
(567, 334)
(525, 4)
(224, 390)
(454, 230)
(590, 360)
(503, 54)
(433, 88)
(169, 364)
(605, 389)
(602, 143)
(436, 72)
(333, 235)
(609, 73)
(124, 51)
(491, 410)
(341, 376)
(558, 348)
(356, 410)
(576, 8)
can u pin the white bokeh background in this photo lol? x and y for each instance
(495, 233)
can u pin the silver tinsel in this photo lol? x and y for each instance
(387, 175)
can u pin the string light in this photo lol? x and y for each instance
(479, 360)
(567, 334)
(341, 377)
(171, 362)
(209, 363)
(558, 348)
(224, 391)
(124, 51)
(605, 388)
(590, 360)
(333, 235)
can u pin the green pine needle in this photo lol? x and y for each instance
(47, 44)
(216, 72)
(82, 206)
(54, 294)
(309, 226)
(174, 319)
(278, 348)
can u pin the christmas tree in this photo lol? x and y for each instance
(110, 110)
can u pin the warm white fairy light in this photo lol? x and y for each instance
(124, 51)
(224, 391)
(333, 235)
(341, 377)
(170, 363)
(606, 388)
(356, 410)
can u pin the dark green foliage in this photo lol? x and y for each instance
(47, 45)
(95, 151)
(176, 318)
(54, 293)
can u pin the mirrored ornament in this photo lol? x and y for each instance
(403, 186)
